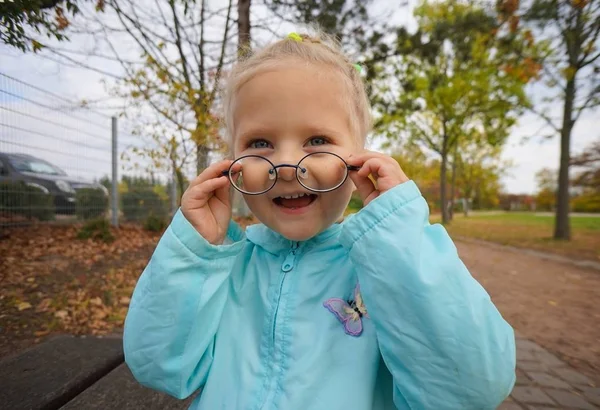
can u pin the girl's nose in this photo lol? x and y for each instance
(287, 173)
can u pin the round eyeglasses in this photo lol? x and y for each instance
(317, 172)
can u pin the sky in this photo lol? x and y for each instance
(80, 141)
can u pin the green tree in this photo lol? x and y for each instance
(421, 168)
(461, 75)
(19, 20)
(478, 172)
(361, 33)
(571, 30)
(344, 19)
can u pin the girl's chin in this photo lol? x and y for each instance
(296, 231)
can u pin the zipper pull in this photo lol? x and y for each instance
(288, 263)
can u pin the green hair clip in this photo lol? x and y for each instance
(358, 68)
(295, 37)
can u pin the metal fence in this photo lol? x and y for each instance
(60, 161)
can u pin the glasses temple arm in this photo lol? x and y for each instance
(353, 167)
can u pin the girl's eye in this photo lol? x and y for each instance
(316, 141)
(258, 144)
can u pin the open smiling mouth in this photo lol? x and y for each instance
(295, 201)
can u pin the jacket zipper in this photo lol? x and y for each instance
(286, 266)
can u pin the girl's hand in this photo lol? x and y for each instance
(385, 170)
(206, 203)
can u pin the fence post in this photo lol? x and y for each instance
(115, 176)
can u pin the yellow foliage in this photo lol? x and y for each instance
(123, 187)
(569, 72)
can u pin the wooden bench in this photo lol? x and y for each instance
(71, 373)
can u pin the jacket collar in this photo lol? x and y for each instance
(273, 242)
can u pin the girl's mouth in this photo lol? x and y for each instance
(296, 201)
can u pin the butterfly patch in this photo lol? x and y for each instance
(349, 312)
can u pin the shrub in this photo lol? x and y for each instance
(139, 203)
(96, 229)
(91, 203)
(154, 223)
(18, 198)
(586, 203)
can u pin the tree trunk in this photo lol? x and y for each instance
(180, 178)
(243, 28)
(201, 158)
(562, 228)
(443, 201)
(239, 204)
(452, 186)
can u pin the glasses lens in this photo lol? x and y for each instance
(322, 171)
(253, 175)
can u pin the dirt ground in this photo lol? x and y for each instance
(556, 305)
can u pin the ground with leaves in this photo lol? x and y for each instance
(52, 282)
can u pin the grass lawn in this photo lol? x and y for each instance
(530, 230)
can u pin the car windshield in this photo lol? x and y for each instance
(35, 165)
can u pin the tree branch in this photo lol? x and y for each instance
(201, 49)
(589, 102)
(545, 117)
(76, 63)
(157, 58)
(186, 75)
(222, 56)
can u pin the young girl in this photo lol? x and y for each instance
(304, 311)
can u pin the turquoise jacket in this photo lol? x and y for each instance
(246, 322)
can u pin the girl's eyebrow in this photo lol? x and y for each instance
(254, 131)
(319, 130)
(260, 130)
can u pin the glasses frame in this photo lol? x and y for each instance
(274, 167)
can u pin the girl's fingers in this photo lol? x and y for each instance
(382, 167)
(223, 192)
(203, 191)
(371, 166)
(213, 171)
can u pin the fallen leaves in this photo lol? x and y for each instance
(61, 314)
(23, 306)
(53, 282)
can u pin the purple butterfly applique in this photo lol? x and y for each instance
(350, 312)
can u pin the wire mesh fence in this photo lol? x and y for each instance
(59, 161)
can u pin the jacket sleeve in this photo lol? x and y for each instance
(176, 308)
(444, 342)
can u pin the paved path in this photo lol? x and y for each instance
(544, 382)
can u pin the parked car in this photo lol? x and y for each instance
(47, 177)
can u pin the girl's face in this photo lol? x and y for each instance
(284, 114)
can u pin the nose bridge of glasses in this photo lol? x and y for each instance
(286, 171)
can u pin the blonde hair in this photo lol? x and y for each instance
(318, 49)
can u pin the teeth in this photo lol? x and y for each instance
(293, 196)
